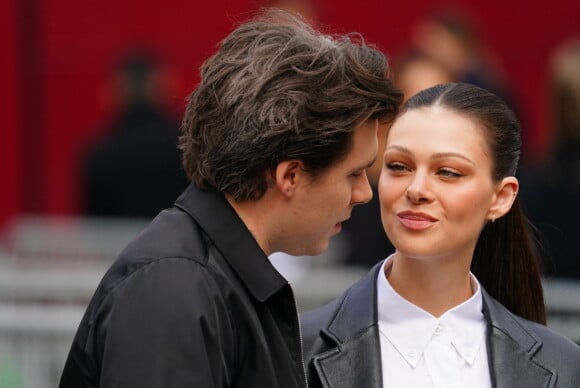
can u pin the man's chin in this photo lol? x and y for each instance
(309, 251)
(318, 250)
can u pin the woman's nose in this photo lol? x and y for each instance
(418, 190)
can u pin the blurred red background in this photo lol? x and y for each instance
(56, 55)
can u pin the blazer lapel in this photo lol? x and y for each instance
(511, 348)
(355, 363)
(356, 359)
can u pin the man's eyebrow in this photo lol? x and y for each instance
(371, 163)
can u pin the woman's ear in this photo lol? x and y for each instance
(287, 175)
(504, 197)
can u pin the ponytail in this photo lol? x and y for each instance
(507, 265)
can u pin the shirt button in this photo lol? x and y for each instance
(438, 331)
(411, 354)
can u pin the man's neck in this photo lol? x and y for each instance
(253, 215)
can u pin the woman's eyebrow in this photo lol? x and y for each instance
(438, 155)
(441, 155)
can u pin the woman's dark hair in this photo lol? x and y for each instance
(505, 260)
(278, 90)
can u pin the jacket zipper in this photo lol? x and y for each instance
(299, 336)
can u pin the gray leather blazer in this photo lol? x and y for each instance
(342, 348)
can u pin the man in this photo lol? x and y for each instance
(135, 169)
(275, 140)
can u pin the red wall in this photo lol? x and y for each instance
(59, 52)
(10, 173)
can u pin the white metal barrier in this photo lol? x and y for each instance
(42, 299)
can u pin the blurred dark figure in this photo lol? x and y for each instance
(415, 71)
(135, 170)
(551, 192)
(449, 37)
(363, 241)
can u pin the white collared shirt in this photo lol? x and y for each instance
(419, 350)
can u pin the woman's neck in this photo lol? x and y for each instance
(434, 285)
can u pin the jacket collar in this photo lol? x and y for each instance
(356, 359)
(357, 310)
(232, 238)
(511, 348)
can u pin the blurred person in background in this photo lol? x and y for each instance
(448, 36)
(135, 169)
(551, 191)
(460, 301)
(414, 71)
(363, 241)
(276, 139)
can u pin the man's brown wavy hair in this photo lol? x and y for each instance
(278, 90)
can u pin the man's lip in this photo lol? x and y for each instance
(416, 216)
(339, 223)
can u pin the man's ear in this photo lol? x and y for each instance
(287, 175)
(504, 197)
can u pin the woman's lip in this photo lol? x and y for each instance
(416, 221)
(416, 216)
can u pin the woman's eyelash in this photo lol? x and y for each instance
(396, 166)
(449, 173)
(445, 172)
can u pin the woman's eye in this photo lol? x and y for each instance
(396, 167)
(449, 173)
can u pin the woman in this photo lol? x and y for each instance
(460, 302)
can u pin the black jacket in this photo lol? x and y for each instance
(191, 302)
(135, 170)
(342, 345)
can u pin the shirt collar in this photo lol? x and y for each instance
(231, 237)
(410, 328)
